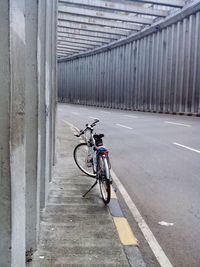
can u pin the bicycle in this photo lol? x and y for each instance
(92, 158)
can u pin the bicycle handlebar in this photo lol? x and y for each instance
(87, 127)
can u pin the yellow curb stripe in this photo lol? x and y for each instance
(113, 195)
(125, 233)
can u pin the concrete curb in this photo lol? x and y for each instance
(129, 242)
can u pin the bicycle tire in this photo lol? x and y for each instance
(104, 179)
(80, 157)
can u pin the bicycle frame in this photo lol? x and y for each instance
(93, 150)
(97, 158)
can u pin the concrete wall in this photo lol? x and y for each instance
(28, 57)
(155, 70)
(5, 181)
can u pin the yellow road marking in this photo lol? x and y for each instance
(113, 195)
(125, 233)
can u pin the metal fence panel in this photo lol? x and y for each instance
(159, 72)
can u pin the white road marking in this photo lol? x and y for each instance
(95, 118)
(68, 123)
(179, 124)
(163, 223)
(105, 112)
(124, 126)
(75, 113)
(187, 147)
(73, 128)
(153, 243)
(131, 116)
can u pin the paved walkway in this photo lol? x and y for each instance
(75, 231)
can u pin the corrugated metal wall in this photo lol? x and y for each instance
(159, 72)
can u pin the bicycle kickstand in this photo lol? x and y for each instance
(90, 189)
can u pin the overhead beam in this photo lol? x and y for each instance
(84, 27)
(60, 42)
(67, 51)
(104, 15)
(72, 52)
(64, 54)
(171, 3)
(72, 48)
(86, 33)
(89, 39)
(75, 41)
(98, 22)
(127, 6)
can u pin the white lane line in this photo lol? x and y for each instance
(68, 123)
(179, 124)
(73, 128)
(153, 243)
(131, 116)
(108, 112)
(95, 118)
(124, 126)
(187, 147)
(75, 113)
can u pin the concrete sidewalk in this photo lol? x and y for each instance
(76, 231)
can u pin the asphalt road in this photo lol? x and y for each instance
(157, 158)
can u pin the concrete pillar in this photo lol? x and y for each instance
(46, 75)
(12, 138)
(54, 77)
(31, 129)
(46, 78)
(42, 110)
(51, 63)
(48, 89)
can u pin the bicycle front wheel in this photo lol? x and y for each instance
(104, 179)
(83, 159)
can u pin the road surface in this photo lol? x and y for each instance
(157, 159)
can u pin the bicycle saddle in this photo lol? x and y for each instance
(98, 136)
(98, 139)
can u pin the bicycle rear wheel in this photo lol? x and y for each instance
(83, 159)
(104, 179)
